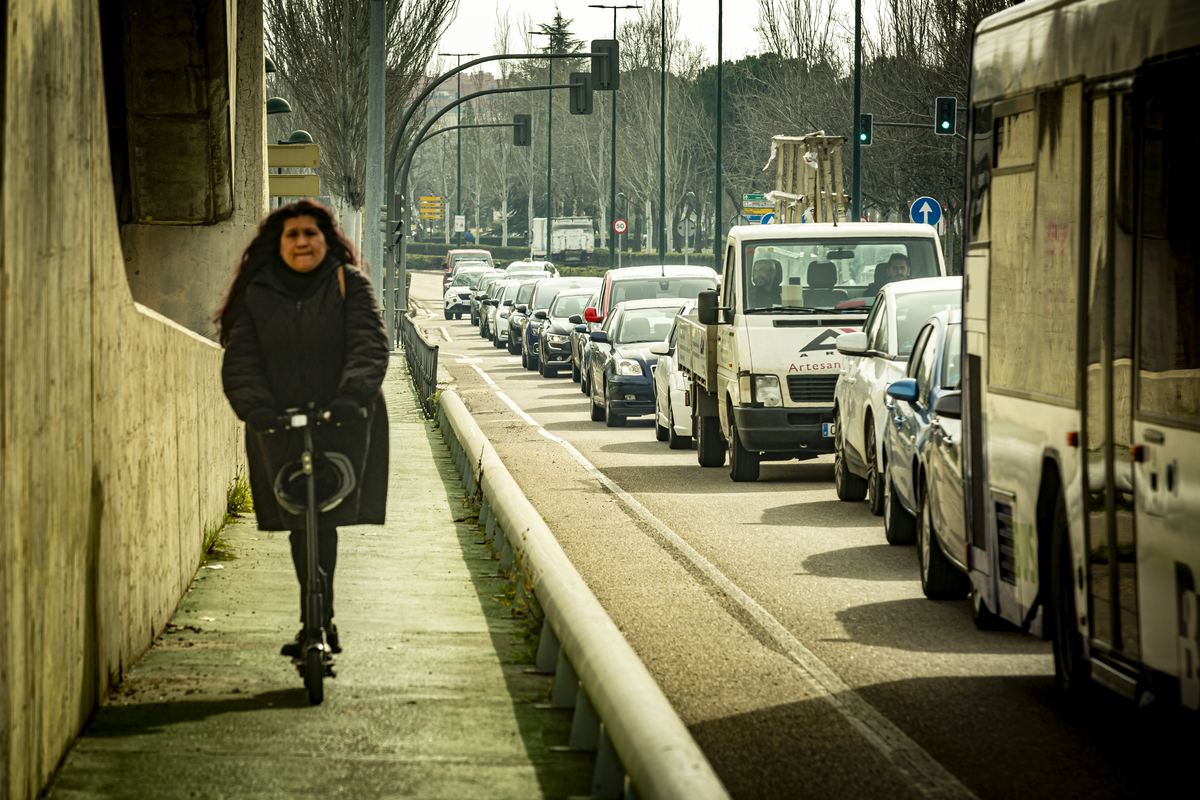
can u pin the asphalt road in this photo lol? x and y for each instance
(793, 640)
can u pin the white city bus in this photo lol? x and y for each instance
(1082, 334)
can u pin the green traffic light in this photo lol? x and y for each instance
(862, 137)
(945, 124)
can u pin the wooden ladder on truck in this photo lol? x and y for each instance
(798, 185)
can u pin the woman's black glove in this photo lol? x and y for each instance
(262, 419)
(343, 409)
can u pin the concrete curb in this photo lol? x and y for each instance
(659, 755)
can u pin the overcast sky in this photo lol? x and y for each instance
(474, 29)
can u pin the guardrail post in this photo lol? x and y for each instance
(499, 541)
(566, 683)
(506, 556)
(585, 725)
(547, 654)
(608, 779)
(485, 511)
(489, 533)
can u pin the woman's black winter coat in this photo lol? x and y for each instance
(282, 353)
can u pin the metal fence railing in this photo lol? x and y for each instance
(422, 358)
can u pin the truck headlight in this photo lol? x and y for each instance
(760, 390)
(766, 391)
(627, 366)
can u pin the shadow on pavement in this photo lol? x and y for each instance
(137, 719)
(690, 478)
(1003, 737)
(932, 626)
(872, 562)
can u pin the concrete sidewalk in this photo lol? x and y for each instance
(431, 700)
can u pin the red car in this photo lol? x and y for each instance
(454, 256)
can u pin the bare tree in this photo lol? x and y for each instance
(320, 48)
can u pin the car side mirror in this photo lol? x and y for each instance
(660, 349)
(521, 309)
(580, 328)
(542, 314)
(575, 319)
(600, 337)
(507, 303)
(904, 389)
(949, 405)
(852, 344)
(590, 315)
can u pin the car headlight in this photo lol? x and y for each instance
(626, 366)
(760, 390)
(557, 339)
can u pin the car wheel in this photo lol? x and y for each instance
(575, 375)
(548, 370)
(524, 358)
(611, 418)
(458, 315)
(597, 410)
(710, 449)
(899, 527)
(584, 383)
(849, 486)
(1071, 669)
(743, 463)
(940, 580)
(675, 441)
(448, 314)
(875, 476)
(534, 362)
(512, 344)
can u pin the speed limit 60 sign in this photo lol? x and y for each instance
(620, 226)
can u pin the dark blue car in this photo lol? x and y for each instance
(543, 296)
(621, 382)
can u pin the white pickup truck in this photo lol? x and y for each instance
(760, 354)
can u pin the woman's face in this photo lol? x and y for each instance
(302, 245)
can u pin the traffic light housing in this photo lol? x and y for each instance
(581, 93)
(606, 69)
(522, 123)
(945, 113)
(864, 129)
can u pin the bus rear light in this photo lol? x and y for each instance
(1072, 438)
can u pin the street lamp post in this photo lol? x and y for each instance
(613, 259)
(662, 139)
(458, 115)
(689, 199)
(717, 193)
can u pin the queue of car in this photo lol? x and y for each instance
(868, 329)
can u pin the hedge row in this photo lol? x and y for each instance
(440, 248)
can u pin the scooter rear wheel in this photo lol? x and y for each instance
(314, 676)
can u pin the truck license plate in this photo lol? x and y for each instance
(828, 429)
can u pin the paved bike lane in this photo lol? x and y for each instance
(432, 699)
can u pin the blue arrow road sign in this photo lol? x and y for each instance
(767, 219)
(927, 210)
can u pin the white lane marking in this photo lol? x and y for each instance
(469, 360)
(926, 774)
(517, 409)
(445, 333)
(486, 377)
(513, 359)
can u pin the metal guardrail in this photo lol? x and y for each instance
(642, 748)
(422, 358)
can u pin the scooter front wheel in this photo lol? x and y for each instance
(314, 675)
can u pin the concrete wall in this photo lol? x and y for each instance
(116, 443)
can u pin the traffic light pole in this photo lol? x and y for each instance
(856, 174)
(395, 209)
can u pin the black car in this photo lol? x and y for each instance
(621, 379)
(557, 324)
(518, 315)
(579, 334)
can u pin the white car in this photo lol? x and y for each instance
(672, 411)
(498, 313)
(547, 269)
(457, 300)
(875, 358)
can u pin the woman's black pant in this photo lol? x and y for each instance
(326, 561)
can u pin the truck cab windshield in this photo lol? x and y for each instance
(793, 276)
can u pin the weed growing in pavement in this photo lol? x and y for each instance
(238, 501)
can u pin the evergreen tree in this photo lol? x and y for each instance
(559, 32)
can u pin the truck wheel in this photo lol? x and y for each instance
(940, 580)
(899, 527)
(675, 441)
(743, 463)
(660, 433)
(1071, 669)
(710, 450)
(875, 477)
(849, 486)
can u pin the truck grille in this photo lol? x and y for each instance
(812, 388)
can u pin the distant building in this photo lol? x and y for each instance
(447, 92)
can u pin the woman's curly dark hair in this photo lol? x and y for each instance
(264, 249)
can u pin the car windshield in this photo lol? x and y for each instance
(568, 305)
(791, 276)
(471, 263)
(646, 324)
(655, 288)
(486, 280)
(914, 308)
(510, 291)
(467, 278)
